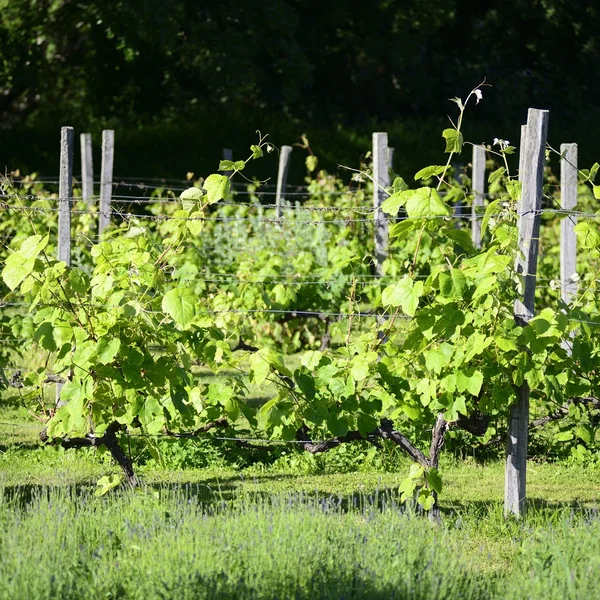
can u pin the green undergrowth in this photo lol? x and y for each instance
(166, 542)
(324, 526)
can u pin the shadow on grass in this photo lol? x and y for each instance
(30, 444)
(231, 490)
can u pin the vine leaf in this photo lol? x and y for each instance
(107, 349)
(217, 187)
(190, 197)
(454, 140)
(180, 305)
(20, 264)
(434, 480)
(430, 171)
(426, 202)
(469, 382)
(404, 293)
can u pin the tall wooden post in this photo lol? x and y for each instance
(65, 198)
(568, 239)
(106, 178)
(478, 183)
(531, 174)
(65, 194)
(381, 181)
(87, 168)
(282, 174)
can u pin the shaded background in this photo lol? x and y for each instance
(179, 80)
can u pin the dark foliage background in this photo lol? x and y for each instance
(179, 79)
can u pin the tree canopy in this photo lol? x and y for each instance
(142, 61)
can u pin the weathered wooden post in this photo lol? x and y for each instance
(531, 163)
(65, 194)
(87, 168)
(65, 198)
(478, 183)
(568, 239)
(284, 165)
(390, 158)
(106, 178)
(381, 181)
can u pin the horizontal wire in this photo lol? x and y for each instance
(296, 313)
(368, 209)
(127, 215)
(193, 434)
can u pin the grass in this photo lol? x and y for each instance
(328, 526)
(166, 543)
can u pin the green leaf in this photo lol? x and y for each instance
(259, 368)
(461, 237)
(597, 192)
(428, 172)
(180, 305)
(399, 185)
(366, 424)
(256, 151)
(392, 205)
(491, 210)
(192, 194)
(217, 187)
(361, 364)
(306, 383)
(452, 283)
(311, 359)
(401, 230)
(106, 349)
(426, 202)
(74, 393)
(587, 235)
(584, 432)
(404, 293)
(434, 480)
(426, 500)
(412, 412)
(505, 344)
(275, 360)
(496, 175)
(469, 381)
(20, 264)
(107, 483)
(454, 140)
(226, 165)
(407, 488)
(44, 334)
(338, 427)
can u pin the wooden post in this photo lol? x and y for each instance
(390, 158)
(478, 193)
(531, 174)
(87, 168)
(381, 181)
(65, 194)
(106, 178)
(568, 239)
(227, 155)
(65, 197)
(284, 165)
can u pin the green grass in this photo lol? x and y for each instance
(326, 526)
(166, 543)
